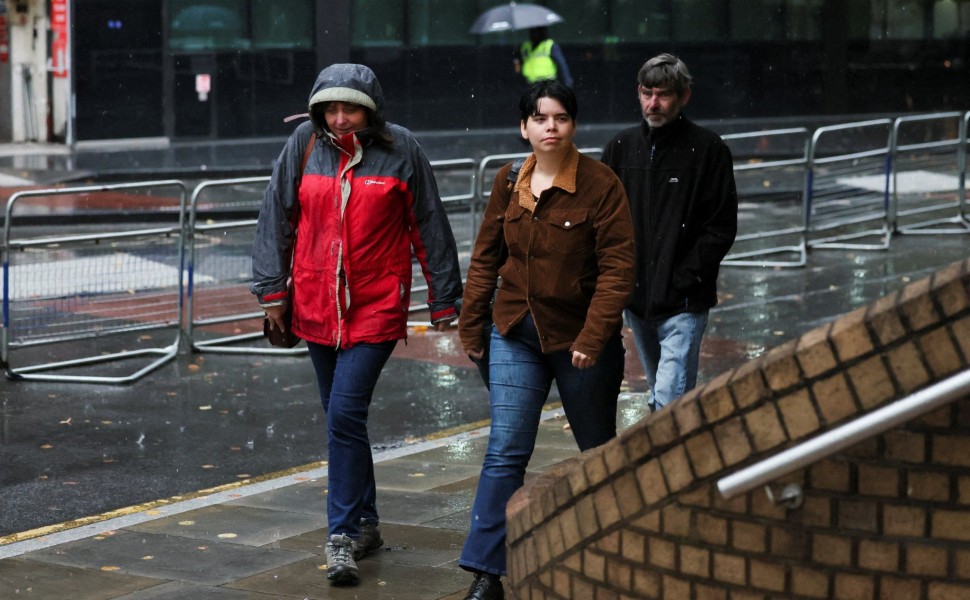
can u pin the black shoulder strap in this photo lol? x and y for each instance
(516, 167)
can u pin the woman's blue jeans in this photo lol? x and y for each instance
(669, 351)
(347, 378)
(520, 378)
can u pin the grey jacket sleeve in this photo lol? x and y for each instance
(276, 225)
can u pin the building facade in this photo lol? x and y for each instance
(78, 70)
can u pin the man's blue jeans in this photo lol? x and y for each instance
(346, 378)
(520, 378)
(669, 351)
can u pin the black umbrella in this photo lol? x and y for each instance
(514, 17)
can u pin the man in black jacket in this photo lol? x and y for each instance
(679, 179)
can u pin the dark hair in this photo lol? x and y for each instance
(665, 70)
(375, 122)
(547, 88)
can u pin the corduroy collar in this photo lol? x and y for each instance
(565, 179)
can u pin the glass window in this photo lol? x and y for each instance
(214, 25)
(584, 21)
(441, 22)
(897, 20)
(378, 23)
(286, 24)
(641, 20)
(699, 20)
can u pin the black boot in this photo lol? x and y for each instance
(486, 587)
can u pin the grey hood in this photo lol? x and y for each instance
(347, 83)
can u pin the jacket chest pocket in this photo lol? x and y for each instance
(567, 231)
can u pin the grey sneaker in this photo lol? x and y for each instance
(369, 541)
(341, 568)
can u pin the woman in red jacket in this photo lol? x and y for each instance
(366, 203)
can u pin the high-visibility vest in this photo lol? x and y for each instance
(537, 62)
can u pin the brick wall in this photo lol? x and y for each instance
(888, 518)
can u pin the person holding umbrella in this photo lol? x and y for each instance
(539, 57)
(558, 234)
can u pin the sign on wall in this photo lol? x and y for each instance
(59, 43)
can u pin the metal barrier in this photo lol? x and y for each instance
(105, 278)
(222, 313)
(928, 160)
(849, 171)
(773, 166)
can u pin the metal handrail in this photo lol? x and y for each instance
(830, 442)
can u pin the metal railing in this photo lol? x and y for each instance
(103, 279)
(781, 197)
(849, 170)
(859, 430)
(929, 155)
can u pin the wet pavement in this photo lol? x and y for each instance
(204, 478)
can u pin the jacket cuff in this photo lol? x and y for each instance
(444, 315)
(274, 298)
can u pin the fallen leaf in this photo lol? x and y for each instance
(208, 466)
(46, 447)
(186, 522)
(206, 407)
(235, 448)
(194, 367)
(110, 568)
(416, 475)
(243, 475)
(566, 427)
(226, 536)
(149, 557)
(70, 483)
(322, 567)
(66, 421)
(153, 512)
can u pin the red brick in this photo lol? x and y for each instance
(859, 515)
(662, 553)
(765, 427)
(950, 525)
(732, 441)
(628, 495)
(595, 466)
(787, 542)
(780, 367)
(646, 584)
(809, 582)
(578, 483)
(569, 525)
(906, 446)
(662, 429)
(962, 564)
(832, 550)
(676, 468)
(813, 352)
(871, 382)
(633, 546)
(905, 364)
(961, 333)
(675, 589)
(703, 454)
(941, 418)
(698, 497)
(896, 588)
(817, 511)
(884, 320)
(850, 337)
(907, 521)
(798, 414)
(619, 575)
(711, 529)
(940, 353)
(729, 568)
(926, 560)
(651, 482)
(828, 474)
(748, 536)
(853, 587)
(916, 305)
(637, 443)
(614, 455)
(607, 509)
(586, 515)
(950, 289)
(594, 565)
(715, 401)
(687, 415)
(928, 485)
(963, 490)
(767, 576)
(748, 385)
(705, 592)
(878, 481)
(834, 399)
(878, 556)
(695, 561)
(676, 521)
(952, 450)
(948, 591)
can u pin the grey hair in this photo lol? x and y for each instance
(665, 70)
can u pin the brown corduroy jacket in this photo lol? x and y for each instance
(569, 262)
